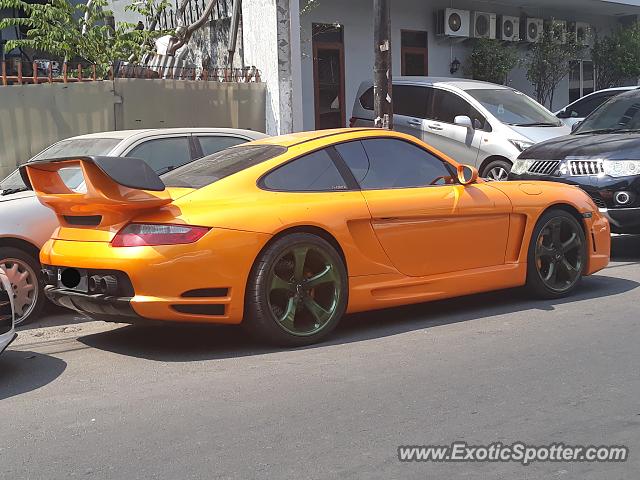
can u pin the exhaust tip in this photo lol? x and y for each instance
(94, 283)
(108, 285)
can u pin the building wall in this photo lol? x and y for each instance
(357, 21)
(271, 43)
(35, 116)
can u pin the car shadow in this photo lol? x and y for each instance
(23, 371)
(208, 342)
(55, 316)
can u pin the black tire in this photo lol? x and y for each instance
(541, 255)
(490, 171)
(260, 318)
(25, 262)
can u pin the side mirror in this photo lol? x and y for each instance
(562, 114)
(575, 126)
(467, 174)
(463, 121)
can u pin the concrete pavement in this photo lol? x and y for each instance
(92, 400)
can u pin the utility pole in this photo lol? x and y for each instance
(382, 79)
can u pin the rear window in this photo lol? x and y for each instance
(208, 170)
(79, 146)
(366, 99)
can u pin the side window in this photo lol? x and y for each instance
(411, 101)
(366, 99)
(356, 158)
(312, 173)
(447, 106)
(584, 107)
(163, 154)
(213, 144)
(391, 163)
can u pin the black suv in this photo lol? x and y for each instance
(601, 156)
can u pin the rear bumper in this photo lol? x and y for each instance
(193, 283)
(102, 307)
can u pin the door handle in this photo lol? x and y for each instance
(435, 126)
(415, 122)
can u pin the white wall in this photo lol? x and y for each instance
(356, 18)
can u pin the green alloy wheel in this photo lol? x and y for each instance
(297, 292)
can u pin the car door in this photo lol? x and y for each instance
(459, 142)
(410, 108)
(163, 153)
(425, 221)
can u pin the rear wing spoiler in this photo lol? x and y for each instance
(115, 186)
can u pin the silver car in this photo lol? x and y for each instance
(473, 122)
(7, 333)
(26, 224)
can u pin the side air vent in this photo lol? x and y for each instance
(206, 293)
(209, 310)
(83, 220)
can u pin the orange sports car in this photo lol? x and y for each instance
(286, 234)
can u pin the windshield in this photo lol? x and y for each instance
(514, 108)
(208, 170)
(72, 177)
(619, 114)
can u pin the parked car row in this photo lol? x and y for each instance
(287, 234)
(493, 128)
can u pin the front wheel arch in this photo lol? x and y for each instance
(493, 158)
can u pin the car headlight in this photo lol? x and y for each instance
(521, 145)
(521, 166)
(621, 168)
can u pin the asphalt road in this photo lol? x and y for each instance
(96, 401)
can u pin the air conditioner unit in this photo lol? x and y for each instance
(532, 29)
(582, 33)
(484, 25)
(453, 23)
(509, 28)
(558, 29)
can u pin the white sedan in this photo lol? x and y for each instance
(7, 333)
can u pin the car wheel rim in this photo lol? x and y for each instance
(24, 284)
(497, 174)
(559, 254)
(304, 290)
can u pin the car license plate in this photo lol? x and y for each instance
(74, 279)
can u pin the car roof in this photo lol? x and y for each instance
(461, 83)
(124, 134)
(292, 139)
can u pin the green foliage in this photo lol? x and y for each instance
(616, 57)
(491, 61)
(56, 28)
(549, 61)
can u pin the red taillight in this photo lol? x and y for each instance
(149, 234)
(352, 122)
